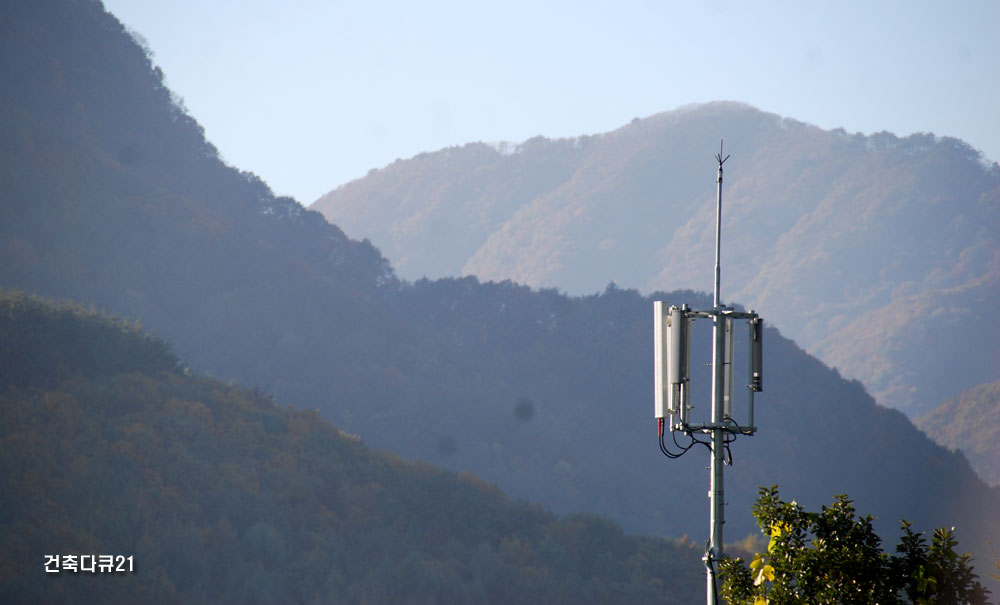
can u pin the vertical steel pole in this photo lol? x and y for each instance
(718, 233)
(715, 494)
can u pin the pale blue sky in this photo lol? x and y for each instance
(311, 94)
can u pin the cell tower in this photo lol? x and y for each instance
(672, 378)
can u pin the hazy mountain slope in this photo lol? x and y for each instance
(971, 423)
(246, 286)
(949, 332)
(547, 395)
(820, 228)
(216, 494)
(115, 198)
(411, 207)
(583, 366)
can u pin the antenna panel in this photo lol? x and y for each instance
(727, 368)
(661, 384)
(757, 354)
(678, 366)
(677, 337)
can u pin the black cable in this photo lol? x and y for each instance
(663, 448)
(666, 451)
(728, 437)
(737, 429)
(683, 448)
(694, 440)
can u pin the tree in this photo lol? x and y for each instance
(834, 556)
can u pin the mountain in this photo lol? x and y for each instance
(113, 198)
(213, 493)
(970, 423)
(583, 363)
(834, 237)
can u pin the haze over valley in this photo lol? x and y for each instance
(263, 403)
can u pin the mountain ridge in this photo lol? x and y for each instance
(969, 423)
(204, 491)
(819, 227)
(546, 395)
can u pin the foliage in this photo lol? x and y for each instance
(112, 196)
(970, 422)
(221, 495)
(43, 343)
(836, 557)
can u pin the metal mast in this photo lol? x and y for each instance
(717, 516)
(672, 390)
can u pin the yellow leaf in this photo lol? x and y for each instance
(760, 601)
(768, 572)
(765, 573)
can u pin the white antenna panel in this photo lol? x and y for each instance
(727, 370)
(661, 385)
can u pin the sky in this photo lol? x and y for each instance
(311, 94)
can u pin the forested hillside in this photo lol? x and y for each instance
(217, 494)
(583, 363)
(846, 242)
(971, 423)
(112, 197)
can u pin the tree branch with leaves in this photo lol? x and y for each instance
(835, 556)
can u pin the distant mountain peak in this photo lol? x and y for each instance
(820, 227)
